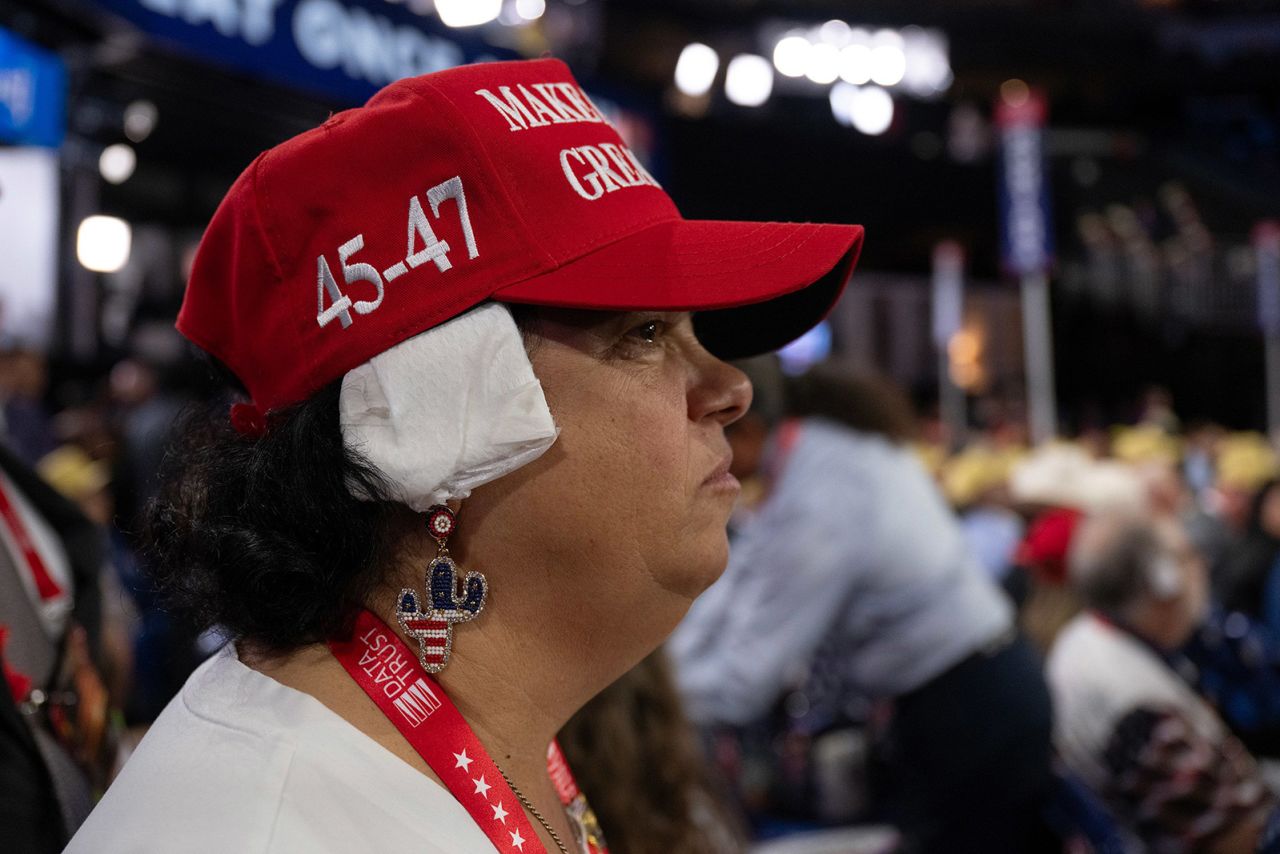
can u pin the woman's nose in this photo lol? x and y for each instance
(723, 393)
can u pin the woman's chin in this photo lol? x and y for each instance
(704, 568)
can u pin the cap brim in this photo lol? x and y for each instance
(754, 285)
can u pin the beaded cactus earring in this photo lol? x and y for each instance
(448, 602)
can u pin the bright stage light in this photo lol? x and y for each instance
(855, 64)
(791, 55)
(871, 110)
(102, 243)
(696, 69)
(834, 32)
(467, 13)
(531, 10)
(824, 64)
(888, 64)
(748, 80)
(841, 98)
(117, 162)
(140, 120)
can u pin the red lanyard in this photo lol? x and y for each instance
(390, 674)
(46, 587)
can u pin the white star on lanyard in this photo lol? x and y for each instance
(516, 839)
(482, 788)
(464, 761)
(499, 814)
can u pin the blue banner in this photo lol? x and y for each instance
(346, 49)
(1026, 227)
(1266, 248)
(33, 94)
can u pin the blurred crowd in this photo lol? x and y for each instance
(938, 644)
(989, 646)
(90, 655)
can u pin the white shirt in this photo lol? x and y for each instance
(854, 552)
(238, 762)
(1097, 674)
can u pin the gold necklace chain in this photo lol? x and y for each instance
(555, 837)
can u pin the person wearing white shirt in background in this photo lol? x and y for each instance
(853, 561)
(1125, 721)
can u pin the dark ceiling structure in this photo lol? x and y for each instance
(1184, 89)
(1142, 96)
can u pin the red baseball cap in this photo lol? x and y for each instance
(495, 181)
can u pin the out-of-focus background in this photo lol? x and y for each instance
(1155, 166)
(1070, 292)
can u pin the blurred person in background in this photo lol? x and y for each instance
(1201, 443)
(1162, 461)
(1054, 487)
(1244, 463)
(86, 482)
(27, 423)
(56, 739)
(1171, 497)
(1156, 409)
(641, 767)
(1250, 578)
(1126, 722)
(148, 393)
(1038, 584)
(853, 565)
(976, 483)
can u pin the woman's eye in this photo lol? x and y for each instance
(647, 332)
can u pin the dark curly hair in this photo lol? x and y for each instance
(263, 537)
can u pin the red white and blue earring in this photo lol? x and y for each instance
(449, 603)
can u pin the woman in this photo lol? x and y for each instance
(431, 549)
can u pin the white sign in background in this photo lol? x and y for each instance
(28, 245)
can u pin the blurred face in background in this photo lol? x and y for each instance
(1166, 492)
(747, 438)
(1269, 513)
(1177, 611)
(23, 373)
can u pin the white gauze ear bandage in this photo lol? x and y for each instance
(448, 410)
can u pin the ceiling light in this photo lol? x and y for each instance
(791, 56)
(834, 32)
(748, 80)
(888, 64)
(102, 243)
(824, 64)
(531, 10)
(139, 120)
(696, 69)
(467, 13)
(871, 110)
(116, 163)
(855, 64)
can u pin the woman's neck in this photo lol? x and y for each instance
(502, 681)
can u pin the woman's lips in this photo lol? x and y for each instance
(720, 478)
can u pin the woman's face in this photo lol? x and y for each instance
(628, 508)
